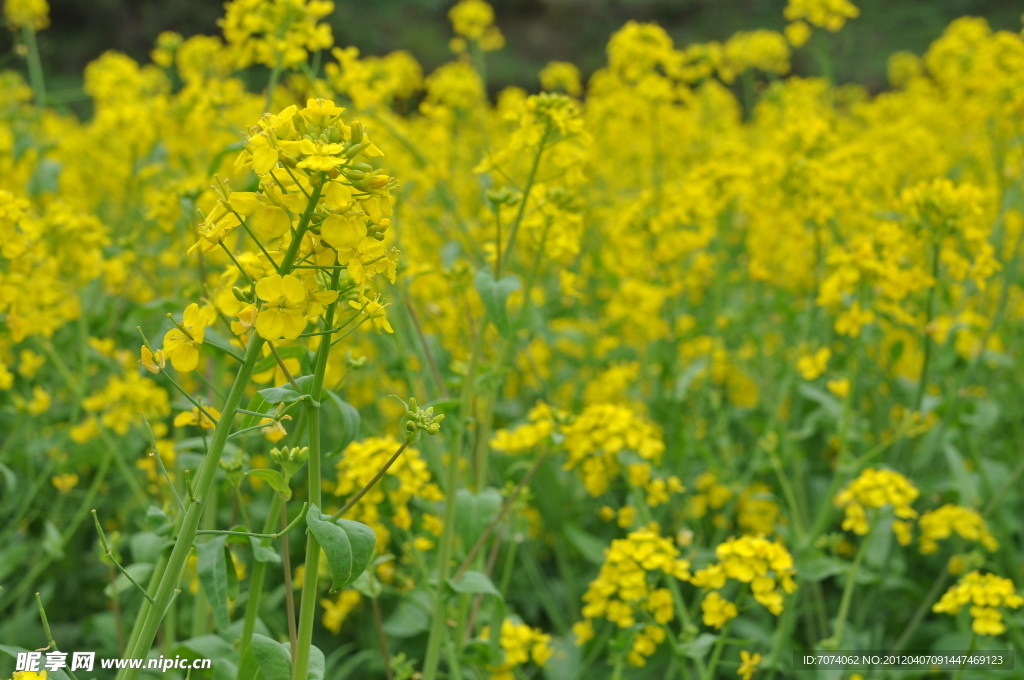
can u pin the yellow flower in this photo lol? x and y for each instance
(748, 664)
(717, 610)
(283, 315)
(28, 363)
(196, 417)
(810, 366)
(336, 610)
(65, 482)
(181, 343)
(38, 404)
(839, 387)
(375, 310)
(153, 362)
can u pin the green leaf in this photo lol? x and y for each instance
(368, 585)
(146, 547)
(156, 520)
(698, 649)
(213, 576)
(347, 544)
(272, 658)
(14, 651)
(474, 512)
(139, 571)
(268, 362)
(263, 553)
(821, 568)
(348, 419)
(830, 404)
(206, 647)
(411, 617)
(10, 480)
(495, 297)
(317, 664)
(590, 546)
(52, 543)
(275, 479)
(474, 582)
(257, 404)
(279, 395)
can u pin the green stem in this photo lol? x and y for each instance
(926, 338)
(522, 204)
(851, 581)
(716, 655)
(448, 533)
(259, 570)
(307, 601)
(190, 523)
(970, 648)
(35, 66)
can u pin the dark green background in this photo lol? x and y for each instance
(536, 31)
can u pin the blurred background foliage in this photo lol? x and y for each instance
(537, 31)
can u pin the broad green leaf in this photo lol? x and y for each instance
(494, 295)
(263, 553)
(347, 544)
(272, 658)
(275, 479)
(411, 617)
(474, 511)
(146, 547)
(213, 576)
(474, 582)
(349, 421)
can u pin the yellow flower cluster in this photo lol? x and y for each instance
(32, 13)
(984, 592)
(749, 559)
(408, 478)
(625, 585)
(828, 14)
(936, 525)
(275, 33)
(594, 440)
(877, 489)
(520, 643)
(542, 422)
(474, 20)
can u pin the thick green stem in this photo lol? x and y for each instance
(259, 570)
(307, 601)
(190, 523)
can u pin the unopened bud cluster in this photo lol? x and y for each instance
(417, 419)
